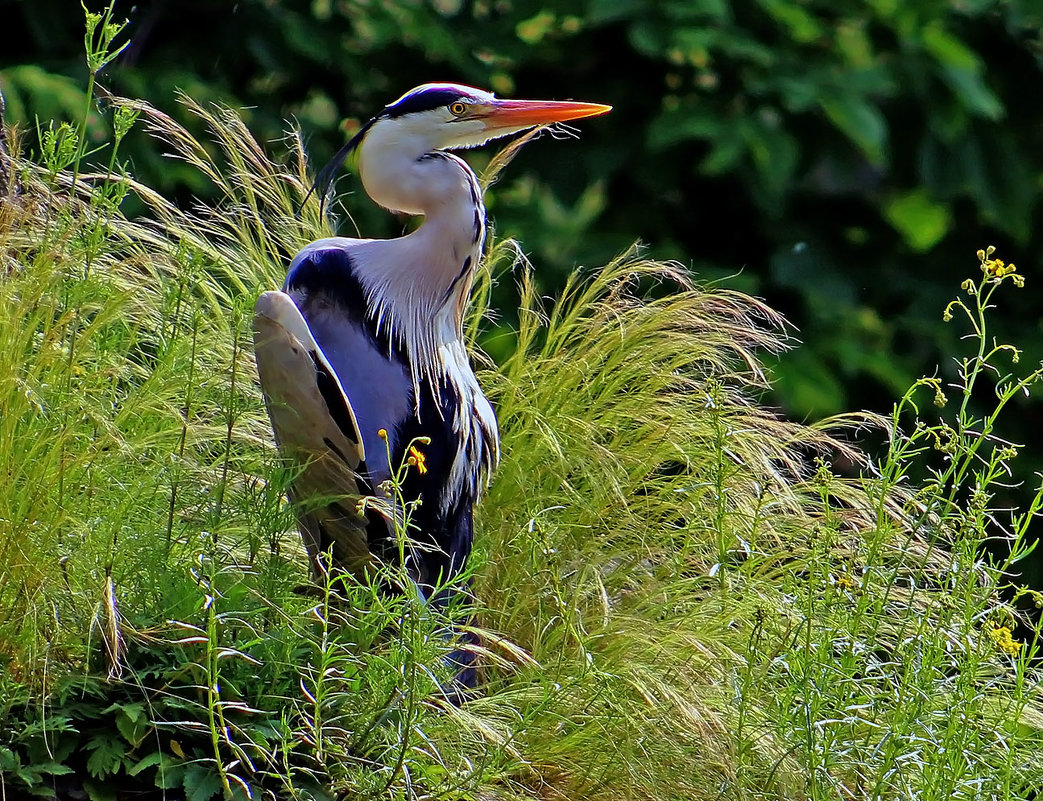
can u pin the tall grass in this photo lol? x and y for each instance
(679, 597)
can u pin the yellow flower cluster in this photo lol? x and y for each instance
(845, 582)
(997, 268)
(417, 459)
(1003, 637)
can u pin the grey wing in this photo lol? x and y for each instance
(316, 429)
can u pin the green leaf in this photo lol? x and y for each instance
(650, 37)
(690, 10)
(948, 49)
(8, 759)
(854, 44)
(861, 121)
(202, 781)
(802, 27)
(961, 69)
(921, 221)
(146, 762)
(30, 90)
(107, 754)
(727, 151)
(52, 768)
(972, 91)
(170, 774)
(534, 29)
(133, 723)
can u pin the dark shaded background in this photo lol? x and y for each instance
(842, 159)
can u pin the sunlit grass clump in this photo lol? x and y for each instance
(679, 595)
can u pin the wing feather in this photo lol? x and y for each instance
(316, 428)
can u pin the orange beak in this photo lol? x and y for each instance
(526, 113)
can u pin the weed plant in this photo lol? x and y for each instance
(679, 594)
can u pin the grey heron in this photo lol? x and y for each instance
(362, 352)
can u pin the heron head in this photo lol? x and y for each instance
(447, 116)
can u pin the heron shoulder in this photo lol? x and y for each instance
(325, 275)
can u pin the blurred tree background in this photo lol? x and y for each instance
(843, 159)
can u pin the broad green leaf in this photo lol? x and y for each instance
(742, 46)
(133, 723)
(962, 70)
(970, 87)
(201, 782)
(921, 221)
(30, 90)
(801, 25)
(52, 768)
(861, 121)
(169, 775)
(107, 755)
(8, 759)
(798, 93)
(948, 49)
(854, 44)
(149, 761)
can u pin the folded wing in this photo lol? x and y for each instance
(316, 429)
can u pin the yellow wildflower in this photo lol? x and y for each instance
(416, 457)
(1004, 640)
(997, 268)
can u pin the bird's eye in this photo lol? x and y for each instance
(457, 109)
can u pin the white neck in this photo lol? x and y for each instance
(418, 284)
